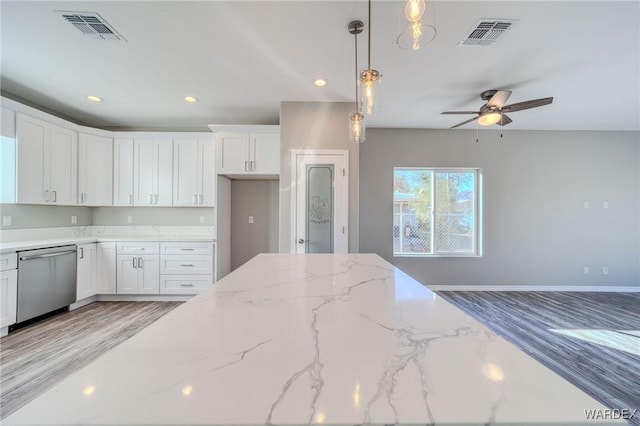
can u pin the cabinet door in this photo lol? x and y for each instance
(86, 271)
(265, 153)
(163, 173)
(185, 172)
(233, 153)
(127, 274)
(106, 268)
(144, 167)
(63, 151)
(33, 167)
(207, 176)
(8, 157)
(149, 278)
(95, 170)
(123, 172)
(8, 297)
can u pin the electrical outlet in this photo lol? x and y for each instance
(201, 219)
(605, 270)
(586, 204)
(605, 205)
(586, 270)
(129, 219)
(250, 219)
(6, 220)
(74, 220)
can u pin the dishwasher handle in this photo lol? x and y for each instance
(42, 256)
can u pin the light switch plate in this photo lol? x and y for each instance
(74, 219)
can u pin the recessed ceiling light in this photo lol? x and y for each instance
(190, 99)
(93, 98)
(321, 82)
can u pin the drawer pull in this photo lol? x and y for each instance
(187, 249)
(186, 264)
(186, 285)
(137, 248)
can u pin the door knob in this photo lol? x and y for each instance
(301, 241)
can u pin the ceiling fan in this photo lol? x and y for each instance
(493, 112)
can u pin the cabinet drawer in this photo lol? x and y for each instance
(186, 248)
(186, 265)
(138, 248)
(184, 284)
(8, 261)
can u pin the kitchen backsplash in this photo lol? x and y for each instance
(25, 216)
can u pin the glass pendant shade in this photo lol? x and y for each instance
(489, 118)
(416, 36)
(370, 91)
(356, 127)
(414, 10)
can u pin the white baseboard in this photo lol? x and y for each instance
(81, 303)
(592, 289)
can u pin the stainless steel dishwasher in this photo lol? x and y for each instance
(46, 280)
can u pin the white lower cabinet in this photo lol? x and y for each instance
(8, 290)
(138, 268)
(86, 271)
(186, 267)
(106, 268)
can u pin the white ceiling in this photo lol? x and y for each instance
(241, 59)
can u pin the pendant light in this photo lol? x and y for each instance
(356, 118)
(370, 82)
(418, 34)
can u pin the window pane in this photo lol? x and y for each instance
(412, 199)
(455, 212)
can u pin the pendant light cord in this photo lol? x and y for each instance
(369, 46)
(356, 56)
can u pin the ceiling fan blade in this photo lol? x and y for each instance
(464, 122)
(460, 112)
(504, 120)
(527, 104)
(499, 99)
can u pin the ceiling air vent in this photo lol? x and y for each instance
(486, 32)
(91, 24)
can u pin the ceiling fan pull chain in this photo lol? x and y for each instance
(477, 132)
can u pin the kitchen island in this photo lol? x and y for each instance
(298, 339)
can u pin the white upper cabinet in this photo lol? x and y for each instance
(8, 157)
(142, 172)
(47, 165)
(123, 172)
(152, 172)
(194, 171)
(245, 154)
(95, 171)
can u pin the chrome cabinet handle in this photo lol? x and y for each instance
(155, 196)
(81, 252)
(186, 264)
(134, 263)
(245, 166)
(195, 199)
(186, 285)
(150, 199)
(55, 196)
(200, 199)
(301, 241)
(82, 198)
(140, 263)
(46, 195)
(130, 199)
(187, 249)
(251, 168)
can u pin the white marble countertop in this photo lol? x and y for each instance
(50, 237)
(298, 339)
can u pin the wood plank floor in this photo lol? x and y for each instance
(35, 358)
(590, 339)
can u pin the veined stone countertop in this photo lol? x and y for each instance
(323, 339)
(27, 239)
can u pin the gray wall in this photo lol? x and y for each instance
(25, 216)
(257, 198)
(315, 125)
(223, 227)
(159, 216)
(536, 230)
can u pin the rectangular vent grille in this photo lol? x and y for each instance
(91, 24)
(486, 32)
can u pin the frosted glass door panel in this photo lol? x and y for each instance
(319, 208)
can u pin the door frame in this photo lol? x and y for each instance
(295, 153)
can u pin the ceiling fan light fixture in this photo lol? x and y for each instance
(489, 118)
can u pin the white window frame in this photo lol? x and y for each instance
(477, 231)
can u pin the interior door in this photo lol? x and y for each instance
(321, 203)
